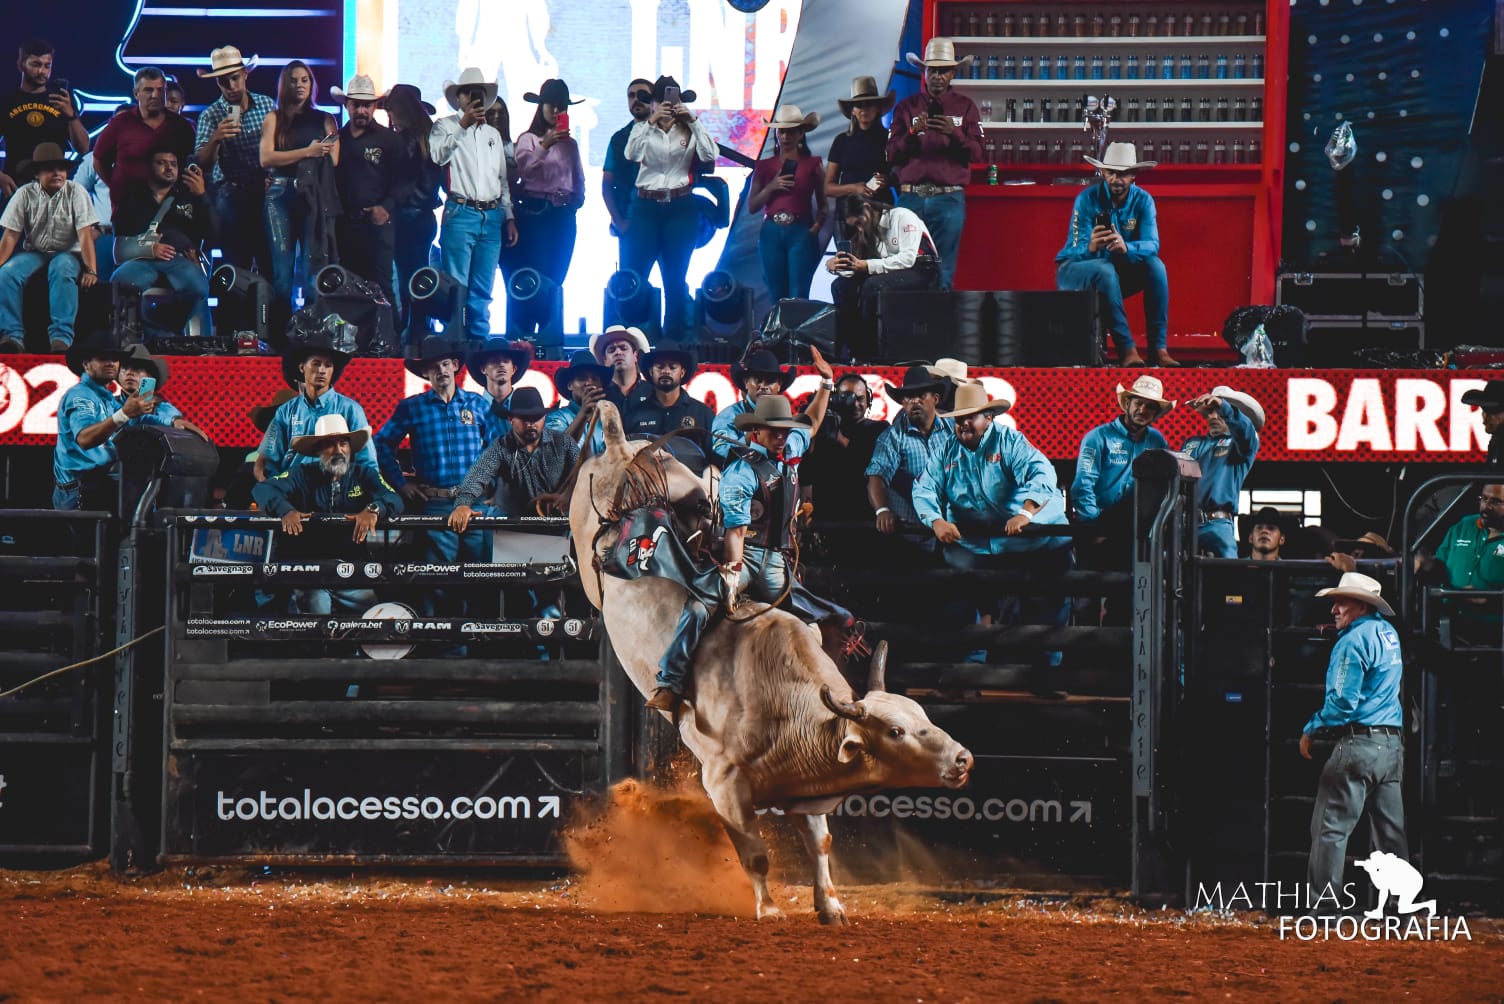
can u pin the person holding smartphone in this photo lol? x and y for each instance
(664, 221)
(1113, 248)
(160, 227)
(551, 184)
(373, 181)
(890, 248)
(40, 111)
(858, 160)
(123, 149)
(228, 149)
(935, 138)
(788, 188)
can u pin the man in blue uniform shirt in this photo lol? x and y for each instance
(1102, 491)
(755, 374)
(1113, 248)
(1225, 455)
(311, 367)
(88, 417)
(582, 385)
(1362, 711)
(497, 366)
(669, 406)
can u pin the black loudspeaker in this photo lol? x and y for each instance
(931, 324)
(1047, 328)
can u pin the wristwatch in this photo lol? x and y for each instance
(374, 507)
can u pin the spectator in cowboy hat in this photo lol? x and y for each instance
(373, 181)
(478, 215)
(58, 220)
(88, 416)
(935, 138)
(581, 385)
(312, 367)
(670, 406)
(138, 363)
(981, 489)
(858, 160)
(497, 365)
(1489, 399)
(756, 373)
(550, 184)
(1120, 257)
(333, 482)
(903, 451)
(788, 188)
(622, 348)
(1266, 534)
(529, 461)
(228, 149)
(1225, 455)
(414, 225)
(1102, 491)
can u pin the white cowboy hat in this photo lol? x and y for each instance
(227, 60)
(864, 92)
(599, 342)
(953, 370)
(1149, 389)
(470, 76)
(326, 429)
(1121, 157)
(360, 88)
(972, 398)
(939, 52)
(1357, 586)
(1245, 403)
(793, 117)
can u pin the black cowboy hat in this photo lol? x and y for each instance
(1490, 397)
(662, 84)
(429, 351)
(317, 343)
(582, 363)
(408, 89)
(553, 92)
(139, 357)
(761, 362)
(99, 342)
(917, 380)
(261, 415)
(520, 352)
(1268, 516)
(683, 357)
(525, 402)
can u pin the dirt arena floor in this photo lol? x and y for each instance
(656, 910)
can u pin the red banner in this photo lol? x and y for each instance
(1313, 415)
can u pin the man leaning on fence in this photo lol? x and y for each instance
(88, 417)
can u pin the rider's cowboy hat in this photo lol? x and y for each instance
(772, 411)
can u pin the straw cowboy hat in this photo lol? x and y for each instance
(226, 59)
(1490, 397)
(917, 380)
(261, 415)
(864, 92)
(972, 398)
(553, 92)
(772, 411)
(617, 332)
(939, 52)
(793, 117)
(360, 88)
(1121, 157)
(432, 349)
(1369, 542)
(953, 370)
(581, 364)
(325, 431)
(470, 76)
(1149, 389)
(139, 357)
(1364, 588)
(1251, 409)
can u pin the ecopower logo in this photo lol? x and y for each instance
(1327, 913)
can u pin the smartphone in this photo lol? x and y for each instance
(148, 387)
(234, 113)
(671, 95)
(1103, 219)
(327, 140)
(789, 168)
(935, 110)
(57, 84)
(843, 247)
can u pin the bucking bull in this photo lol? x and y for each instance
(771, 719)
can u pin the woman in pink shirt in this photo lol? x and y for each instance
(788, 188)
(551, 185)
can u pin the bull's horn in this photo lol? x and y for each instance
(611, 428)
(877, 671)
(844, 709)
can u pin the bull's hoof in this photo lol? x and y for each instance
(834, 916)
(769, 913)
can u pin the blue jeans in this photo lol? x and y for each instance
(1031, 609)
(470, 239)
(1217, 538)
(1363, 771)
(1117, 279)
(789, 258)
(944, 215)
(240, 222)
(62, 292)
(447, 547)
(182, 274)
(284, 230)
(664, 233)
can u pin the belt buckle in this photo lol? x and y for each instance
(926, 190)
(783, 218)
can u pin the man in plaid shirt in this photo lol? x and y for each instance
(228, 146)
(903, 450)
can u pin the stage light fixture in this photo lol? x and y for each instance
(723, 309)
(535, 311)
(245, 300)
(437, 305)
(632, 301)
(360, 302)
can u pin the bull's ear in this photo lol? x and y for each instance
(853, 745)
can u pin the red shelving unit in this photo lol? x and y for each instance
(1219, 221)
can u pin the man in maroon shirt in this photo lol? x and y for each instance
(122, 153)
(935, 138)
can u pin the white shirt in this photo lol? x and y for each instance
(476, 158)
(900, 235)
(89, 180)
(667, 157)
(51, 222)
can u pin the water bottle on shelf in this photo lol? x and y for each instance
(1096, 67)
(1028, 109)
(1115, 67)
(1239, 66)
(1203, 67)
(1203, 151)
(1132, 110)
(1005, 151)
(1167, 110)
(1044, 67)
(990, 26)
(1239, 155)
(1204, 110)
(1219, 151)
(976, 69)
(991, 149)
(1206, 23)
(1258, 66)
(1039, 151)
(1170, 25)
(1222, 110)
(1187, 113)
(1010, 68)
(1185, 67)
(1133, 25)
(1026, 24)
(1253, 151)
(971, 23)
(1057, 152)
(1240, 109)
(992, 67)
(1256, 110)
(1026, 68)
(1132, 67)
(958, 25)
(1078, 68)
(1183, 152)
(1046, 111)
(986, 109)
(1151, 110)
(1115, 26)
(1060, 70)
(1168, 73)
(1221, 66)
(1010, 111)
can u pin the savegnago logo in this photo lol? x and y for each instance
(1326, 913)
